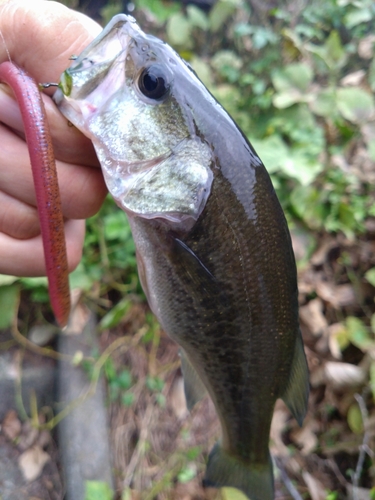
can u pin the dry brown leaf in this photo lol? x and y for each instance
(11, 425)
(78, 317)
(366, 47)
(343, 375)
(32, 461)
(306, 436)
(358, 493)
(317, 376)
(312, 315)
(320, 255)
(338, 296)
(315, 487)
(43, 334)
(28, 436)
(278, 425)
(177, 398)
(353, 79)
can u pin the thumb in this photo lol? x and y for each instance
(41, 35)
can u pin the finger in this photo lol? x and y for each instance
(17, 219)
(82, 188)
(56, 31)
(26, 257)
(80, 148)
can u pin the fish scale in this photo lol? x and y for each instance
(213, 248)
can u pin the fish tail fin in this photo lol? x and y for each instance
(255, 480)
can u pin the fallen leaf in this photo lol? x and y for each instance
(343, 375)
(358, 493)
(78, 319)
(338, 296)
(177, 398)
(306, 436)
(28, 436)
(366, 47)
(32, 461)
(11, 425)
(320, 255)
(337, 339)
(315, 487)
(278, 426)
(353, 79)
(312, 315)
(43, 334)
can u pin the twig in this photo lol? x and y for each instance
(140, 447)
(286, 480)
(363, 449)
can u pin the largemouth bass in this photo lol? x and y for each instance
(213, 249)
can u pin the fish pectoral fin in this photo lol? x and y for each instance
(193, 269)
(255, 480)
(297, 391)
(193, 386)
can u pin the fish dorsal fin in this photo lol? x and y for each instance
(193, 386)
(297, 391)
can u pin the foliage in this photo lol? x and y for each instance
(98, 490)
(294, 86)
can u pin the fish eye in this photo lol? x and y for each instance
(153, 83)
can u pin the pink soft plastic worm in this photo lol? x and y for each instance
(46, 186)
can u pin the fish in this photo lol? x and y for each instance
(213, 248)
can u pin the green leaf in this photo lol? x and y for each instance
(334, 49)
(220, 13)
(324, 103)
(332, 52)
(116, 226)
(232, 494)
(98, 490)
(371, 75)
(370, 276)
(354, 104)
(287, 98)
(161, 10)
(197, 17)
(5, 279)
(354, 419)
(202, 69)
(9, 298)
(154, 384)
(358, 332)
(115, 315)
(372, 378)
(179, 31)
(125, 380)
(110, 370)
(187, 474)
(80, 279)
(193, 453)
(301, 167)
(127, 399)
(308, 203)
(358, 16)
(300, 75)
(292, 85)
(273, 151)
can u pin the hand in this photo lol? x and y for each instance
(40, 36)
